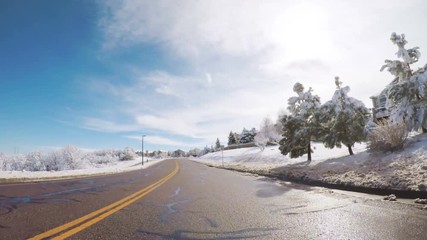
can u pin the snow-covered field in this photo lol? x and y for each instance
(68, 162)
(123, 166)
(404, 170)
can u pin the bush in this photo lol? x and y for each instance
(68, 158)
(127, 154)
(387, 137)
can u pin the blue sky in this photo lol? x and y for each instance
(98, 74)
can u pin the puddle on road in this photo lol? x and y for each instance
(307, 207)
(268, 190)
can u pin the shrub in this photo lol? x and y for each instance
(387, 137)
(34, 161)
(67, 158)
(127, 154)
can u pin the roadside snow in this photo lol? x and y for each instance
(271, 157)
(404, 170)
(116, 167)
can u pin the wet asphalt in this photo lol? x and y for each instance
(201, 202)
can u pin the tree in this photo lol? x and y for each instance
(407, 94)
(205, 150)
(178, 153)
(237, 137)
(268, 133)
(217, 144)
(300, 126)
(231, 139)
(343, 118)
(195, 152)
(247, 136)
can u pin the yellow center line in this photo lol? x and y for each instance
(98, 215)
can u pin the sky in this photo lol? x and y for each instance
(99, 74)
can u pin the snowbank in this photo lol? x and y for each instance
(404, 170)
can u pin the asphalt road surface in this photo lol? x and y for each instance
(181, 199)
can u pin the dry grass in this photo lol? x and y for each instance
(388, 137)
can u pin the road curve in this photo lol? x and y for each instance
(180, 199)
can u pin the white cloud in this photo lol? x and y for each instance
(157, 140)
(209, 78)
(246, 56)
(107, 126)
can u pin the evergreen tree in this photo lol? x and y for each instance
(300, 126)
(205, 150)
(252, 134)
(407, 95)
(231, 139)
(217, 144)
(343, 118)
(237, 137)
(245, 136)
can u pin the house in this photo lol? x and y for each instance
(379, 103)
(381, 106)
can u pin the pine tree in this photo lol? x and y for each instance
(231, 139)
(217, 144)
(246, 136)
(252, 133)
(300, 126)
(343, 118)
(205, 150)
(408, 93)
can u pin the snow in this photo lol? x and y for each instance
(271, 156)
(109, 168)
(404, 170)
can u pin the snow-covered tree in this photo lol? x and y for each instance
(268, 133)
(232, 139)
(127, 154)
(300, 126)
(343, 118)
(178, 153)
(407, 95)
(204, 151)
(247, 136)
(217, 144)
(194, 152)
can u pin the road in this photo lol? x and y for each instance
(181, 199)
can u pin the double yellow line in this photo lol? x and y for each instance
(90, 219)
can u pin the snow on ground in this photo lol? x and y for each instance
(116, 167)
(404, 170)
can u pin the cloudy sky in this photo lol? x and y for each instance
(98, 74)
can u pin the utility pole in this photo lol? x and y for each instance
(142, 149)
